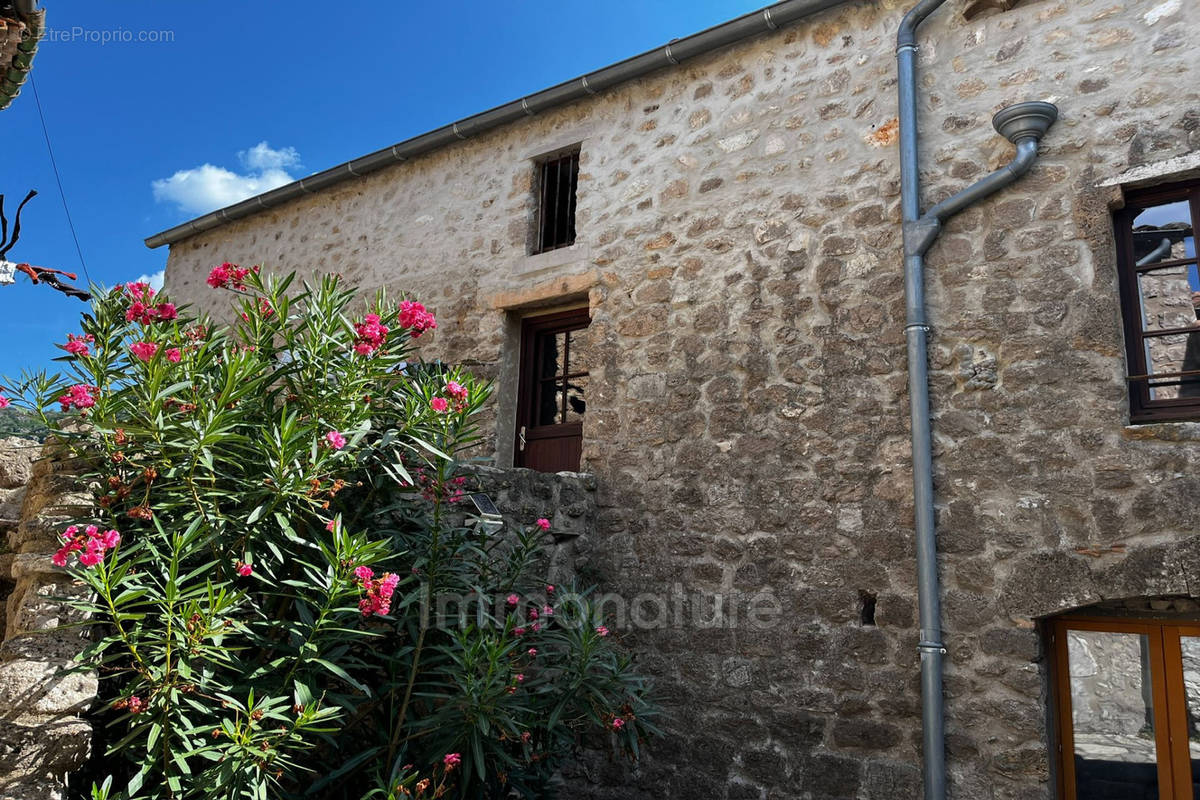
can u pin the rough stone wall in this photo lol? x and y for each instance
(739, 247)
(42, 737)
(566, 499)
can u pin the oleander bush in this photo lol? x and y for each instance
(288, 595)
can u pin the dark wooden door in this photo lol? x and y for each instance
(553, 383)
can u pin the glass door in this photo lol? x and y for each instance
(1128, 703)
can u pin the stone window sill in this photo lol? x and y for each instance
(577, 253)
(1165, 431)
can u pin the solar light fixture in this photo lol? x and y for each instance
(489, 514)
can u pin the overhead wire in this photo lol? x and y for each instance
(58, 178)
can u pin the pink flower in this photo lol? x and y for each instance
(547, 611)
(533, 613)
(451, 761)
(78, 345)
(139, 312)
(331, 525)
(512, 599)
(335, 440)
(456, 390)
(603, 631)
(92, 555)
(139, 291)
(144, 350)
(519, 677)
(439, 404)
(379, 591)
(228, 275)
(537, 626)
(532, 651)
(415, 318)
(550, 589)
(371, 335)
(244, 569)
(136, 705)
(79, 396)
(518, 631)
(91, 541)
(618, 723)
(174, 355)
(543, 523)
(4, 402)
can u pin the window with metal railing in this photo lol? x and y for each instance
(557, 180)
(1160, 301)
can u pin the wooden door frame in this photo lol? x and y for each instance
(1181, 770)
(1166, 673)
(570, 320)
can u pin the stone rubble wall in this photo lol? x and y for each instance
(747, 422)
(566, 499)
(42, 736)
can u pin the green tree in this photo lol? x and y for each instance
(288, 598)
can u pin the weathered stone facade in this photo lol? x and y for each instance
(739, 249)
(42, 734)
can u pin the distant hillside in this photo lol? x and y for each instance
(23, 424)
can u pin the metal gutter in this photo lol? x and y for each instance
(1022, 124)
(668, 55)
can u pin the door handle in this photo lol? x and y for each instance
(521, 438)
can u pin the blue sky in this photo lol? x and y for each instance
(236, 97)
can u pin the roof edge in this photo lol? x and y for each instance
(670, 54)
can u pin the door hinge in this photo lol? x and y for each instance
(521, 438)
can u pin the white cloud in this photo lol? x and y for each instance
(208, 187)
(262, 157)
(155, 280)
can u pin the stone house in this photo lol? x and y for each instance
(685, 274)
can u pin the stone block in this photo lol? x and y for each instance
(16, 461)
(40, 685)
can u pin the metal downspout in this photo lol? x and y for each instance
(916, 330)
(1023, 125)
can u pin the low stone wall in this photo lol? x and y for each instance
(566, 499)
(42, 736)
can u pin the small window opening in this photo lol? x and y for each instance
(558, 178)
(866, 606)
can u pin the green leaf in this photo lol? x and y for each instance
(341, 673)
